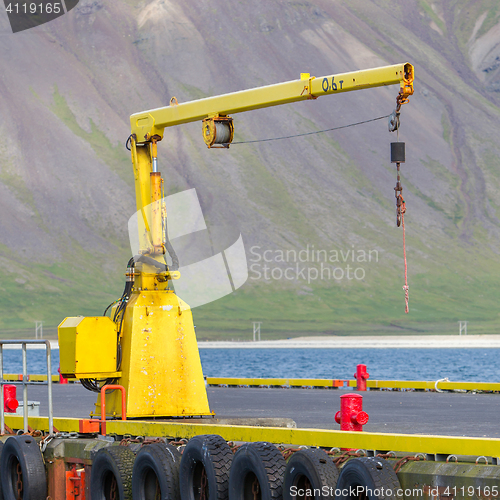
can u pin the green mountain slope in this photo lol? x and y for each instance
(66, 183)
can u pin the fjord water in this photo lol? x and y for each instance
(475, 365)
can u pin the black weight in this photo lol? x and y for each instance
(22, 467)
(397, 152)
(206, 462)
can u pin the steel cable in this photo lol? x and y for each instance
(312, 133)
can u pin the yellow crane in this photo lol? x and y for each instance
(148, 344)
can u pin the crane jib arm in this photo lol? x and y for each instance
(150, 337)
(152, 123)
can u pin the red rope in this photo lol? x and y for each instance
(405, 288)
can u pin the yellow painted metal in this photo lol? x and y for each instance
(373, 384)
(468, 386)
(142, 164)
(153, 122)
(43, 378)
(87, 347)
(156, 214)
(316, 382)
(406, 384)
(148, 191)
(42, 423)
(357, 80)
(411, 443)
(14, 377)
(317, 437)
(280, 382)
(161, 367)
(431, 385)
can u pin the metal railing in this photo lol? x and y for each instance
(103, 405)
(25, 382)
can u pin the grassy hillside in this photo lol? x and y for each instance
(66, 183)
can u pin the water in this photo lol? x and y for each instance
(474, 365)
(36, 361)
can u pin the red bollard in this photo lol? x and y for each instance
(62, 380)
(10, 402)
(361, 376)
(351, 416)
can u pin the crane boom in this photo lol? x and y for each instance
(148, 345)
(151, 123)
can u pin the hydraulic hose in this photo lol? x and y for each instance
(170, 249)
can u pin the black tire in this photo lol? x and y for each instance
(1, 446)
(260, 466)
(1, 488)
(112, 470)
(310, 469)
(211, 455)
(22, 459)
(156, 473)
(374, 476)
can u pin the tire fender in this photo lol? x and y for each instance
(156, 472)
(257, 465)
(22, 451)
(310, 469)
(112, 470)
(211, 454)
(1, 493)
(374, 474)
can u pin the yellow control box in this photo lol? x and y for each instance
(87, 347)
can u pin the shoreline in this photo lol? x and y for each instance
(354, 342)
(365, 342)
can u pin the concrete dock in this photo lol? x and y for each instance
(456, 414)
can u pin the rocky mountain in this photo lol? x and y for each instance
(66, 184)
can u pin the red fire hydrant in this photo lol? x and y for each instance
(351, 416)
(10, 402)
(361, 376)
(62, 380)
